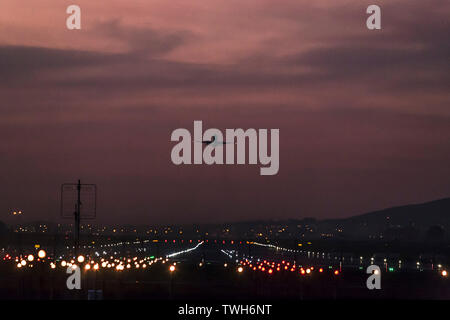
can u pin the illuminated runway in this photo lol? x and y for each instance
(206, 269)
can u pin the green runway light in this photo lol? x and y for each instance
(391, 269)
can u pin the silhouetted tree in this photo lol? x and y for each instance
(3, 228)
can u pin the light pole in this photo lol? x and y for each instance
(41, 269)
(18, 215)
(172, 269)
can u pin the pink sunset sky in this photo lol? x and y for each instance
(364, 116)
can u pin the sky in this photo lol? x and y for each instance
(364, 115)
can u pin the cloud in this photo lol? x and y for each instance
(143, 40)
(22, 63)
(407, 54)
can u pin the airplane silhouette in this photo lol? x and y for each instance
(214, 141)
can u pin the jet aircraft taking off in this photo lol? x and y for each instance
(214, 142)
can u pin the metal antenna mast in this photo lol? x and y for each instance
(73, 196)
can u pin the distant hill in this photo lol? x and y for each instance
(434, 212)
(409, 219)
(409, 222)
